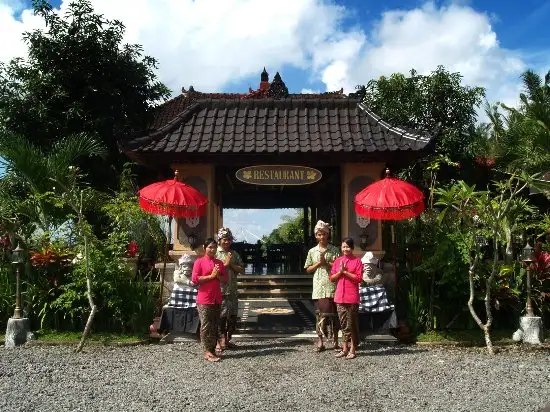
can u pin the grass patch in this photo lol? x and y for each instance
(99, 337)
(467, 337)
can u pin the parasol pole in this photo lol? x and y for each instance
(165, 257)
(394, 259)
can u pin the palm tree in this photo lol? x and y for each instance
(520, 137)
(33, 177)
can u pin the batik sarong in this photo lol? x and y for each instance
(348, 315)
(327, 324)
(210, 318)
(229, 312)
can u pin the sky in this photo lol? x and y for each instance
(319, 45)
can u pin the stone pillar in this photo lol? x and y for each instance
(530, 330)
(18, 332)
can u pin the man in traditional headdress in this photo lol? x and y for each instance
(319, 261)
(230, 304)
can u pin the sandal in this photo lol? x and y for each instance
(319, 348)
(351, 355)
(341, 354)
(337, 348)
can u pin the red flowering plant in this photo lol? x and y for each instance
(132, 249)
(541, 278)
(53, 261)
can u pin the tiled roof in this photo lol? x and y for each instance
(230, 123)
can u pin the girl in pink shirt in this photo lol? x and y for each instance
(347, 271)
(207, 273)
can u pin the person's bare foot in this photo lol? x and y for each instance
(210, 357)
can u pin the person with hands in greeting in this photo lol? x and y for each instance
(347, 272)
(230, 304)
(319, 261)
(208, 274)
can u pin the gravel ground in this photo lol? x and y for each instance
(273, 376)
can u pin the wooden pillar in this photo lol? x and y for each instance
(305, 226)
(355, 177)
(202, 178)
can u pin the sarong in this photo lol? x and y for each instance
(347, 312)
(327, 324)
(210, 318)
(228, 317)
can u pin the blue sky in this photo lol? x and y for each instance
(319, 45)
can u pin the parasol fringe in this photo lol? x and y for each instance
(171, 209)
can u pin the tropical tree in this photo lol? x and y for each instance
(291, 230)
(79, 78)
(34, 176)
(471, 215)
(436, 103)
(520, 137)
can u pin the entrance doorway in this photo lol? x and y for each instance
(274, 267)
(275, 291)
(319, 200)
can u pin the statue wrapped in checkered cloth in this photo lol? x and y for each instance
(372, 291)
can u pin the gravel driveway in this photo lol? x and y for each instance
(272, 376)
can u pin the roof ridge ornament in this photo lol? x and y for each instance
(264, 77)
(277, 88)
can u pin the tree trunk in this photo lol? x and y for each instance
(471, 272)
(93, 307)
(488, 341)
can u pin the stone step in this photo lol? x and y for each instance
(275, 283)
(274, 277)
(281, 293)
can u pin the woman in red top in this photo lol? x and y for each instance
(207, 273)
(347, 270)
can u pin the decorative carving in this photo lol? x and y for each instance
(192, 221)
(362, 221)
(277, 88)
(184, 269)
(264, 77)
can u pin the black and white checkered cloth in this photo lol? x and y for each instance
(374, 299)
(183, 297)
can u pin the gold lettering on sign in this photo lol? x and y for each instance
(278, 175)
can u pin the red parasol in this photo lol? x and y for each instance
(389, 199)
(172, 198)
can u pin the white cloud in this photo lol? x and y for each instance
(309, 91)
(455, 36)
(211, 43)
(14, 20)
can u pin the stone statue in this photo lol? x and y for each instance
(183, 270)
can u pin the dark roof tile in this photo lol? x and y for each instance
(300, 123)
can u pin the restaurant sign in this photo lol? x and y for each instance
(278, 175)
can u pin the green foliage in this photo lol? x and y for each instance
(7, 293)
(79, 78)
(129, 222)
(432, 103)
(493, 214)
(39, 176)
(519, 137)
(290, 231)
(124, 304)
